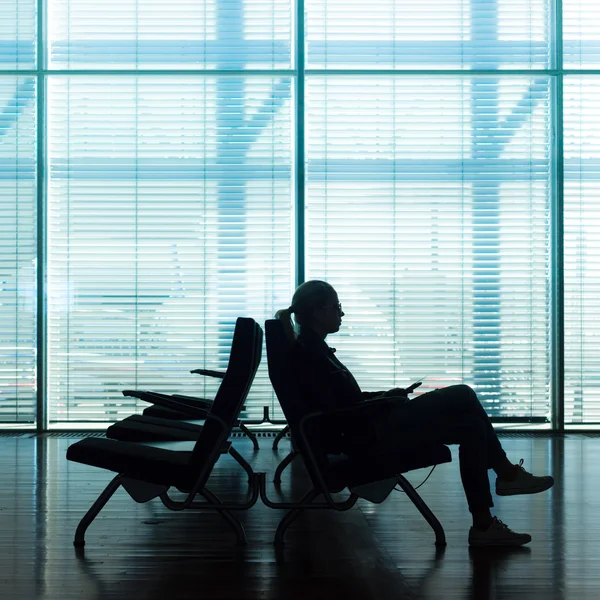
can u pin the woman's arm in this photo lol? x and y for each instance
(395, 392)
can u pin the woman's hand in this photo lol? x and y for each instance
(396, 392)
(411, 388)
(403, 391)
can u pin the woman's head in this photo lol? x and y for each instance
(315, 305)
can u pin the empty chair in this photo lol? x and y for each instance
(147, 472)
(162, 408)
(144, 428)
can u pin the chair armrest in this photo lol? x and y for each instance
(193, 400)
(363, 408)
(195, 412)
(162, 399)
(209, 373)
(140, 394)
(199, 402)
(360, 409)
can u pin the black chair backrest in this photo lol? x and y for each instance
(289, 393)
(246, 351)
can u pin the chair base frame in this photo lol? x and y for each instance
(283, 465)
(280, 436)
(146, 493)
(250, 434)
(307, 503)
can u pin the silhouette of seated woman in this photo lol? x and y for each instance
(451, 415)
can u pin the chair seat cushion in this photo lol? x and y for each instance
(135, 431)
(151, 429)
(359, 470)
(154, 465)
(188, 425)
(164, 413)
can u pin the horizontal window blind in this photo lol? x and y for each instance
(581, 34)
(170, 215)
(429, 34)
(180, 34)
(170, 195)
(18, 34)
(582, 248)
(17, 250)
(429, 214)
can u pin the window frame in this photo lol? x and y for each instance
(299, 72)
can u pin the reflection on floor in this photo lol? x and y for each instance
(371, 552)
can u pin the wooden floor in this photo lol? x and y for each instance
(145, 552)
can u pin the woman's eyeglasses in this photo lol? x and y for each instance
(336, 306)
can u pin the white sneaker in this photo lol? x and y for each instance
(523, 483)
(497, 534)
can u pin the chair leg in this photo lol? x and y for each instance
(287, 520)
(92, 513)
(251, 435)
(282, 466)
(240, 534)
(291, 516)
(242, 462)
(440, 536)
(280, 436)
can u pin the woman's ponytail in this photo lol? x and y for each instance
(285, 316)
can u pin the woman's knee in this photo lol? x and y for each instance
(465, 389)
(465, 393)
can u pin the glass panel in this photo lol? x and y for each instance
(429, 34)
(17, 34)
(170, 215)
(17, 249)
(430, 217)
(581, 34)
(582, 249)
(181, 34)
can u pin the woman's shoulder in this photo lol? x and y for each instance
(300, 350)
(310, 346)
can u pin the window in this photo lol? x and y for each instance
(581, 34)
(18, 21)
(18, 249)
(169, 195)
(430, 216)
(429, 34)
(18, 200)
(168, 188)
(430, 211)
(169, 216)
(582, 249)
